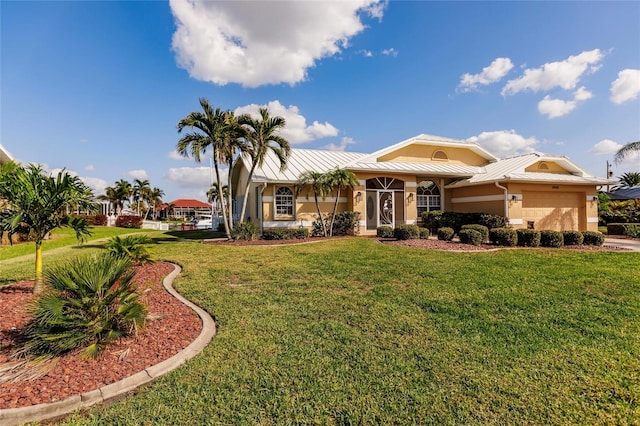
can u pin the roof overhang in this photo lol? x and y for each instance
(5, 157)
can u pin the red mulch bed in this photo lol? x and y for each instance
(74, 374)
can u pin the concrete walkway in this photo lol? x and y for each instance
(633, 245)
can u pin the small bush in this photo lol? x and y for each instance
(592, 238)
(616, 228)
(131, 247)
(528, 237)
(424, 234)
(129, 221)
(384, 232)
(93, 219)
(503, 236)
(632, 230)
(549, 238)
(407, 232)
(471, 236)
(572, 238)
(346, 223)
(245, 231)
(446, 234)
(285, 233)
(480, 228)
(437, 219)
(90, 302)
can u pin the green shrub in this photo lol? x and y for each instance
(503, 236)
(471, 236)
(245, 231)
(129, 221)
(88, 303)
(285, 233)
(345, 223)
(437, 219)
(592, 238)
(93, 219)
(480, 228)
(528, 237)
(632, 230)
(446, 234)
(549, 238)
(572, 238)
(431, 220)
(407, 232)
(131, 247)
(424, 234)
(384, 232)
(616, 228)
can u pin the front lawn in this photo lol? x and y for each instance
(356, 332)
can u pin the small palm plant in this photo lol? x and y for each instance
(88, 302)
(131, 247)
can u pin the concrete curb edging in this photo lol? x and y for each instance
(16, 416)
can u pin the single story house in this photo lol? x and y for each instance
(623, 194)
(423, 173)
(184, 209)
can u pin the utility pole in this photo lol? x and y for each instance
(609, 173)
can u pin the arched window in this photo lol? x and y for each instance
(428, 197)
(440, 155)
(283, 201)
(543, 166)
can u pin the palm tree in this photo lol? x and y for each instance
(215, 196)
(340, 179)
(319, 185)
(111, 196)
(40, 203)
(154, 199)
(233, 143)
(626, 150)
(140, 192)
(123, 191)
(262, 138)
(210, 128)
(628, 180)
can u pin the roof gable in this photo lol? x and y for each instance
(5, 157)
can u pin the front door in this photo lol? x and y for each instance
(385, 208)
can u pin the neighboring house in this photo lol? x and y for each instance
(184, 209)
(632, 193)
(426, 173)
(5, 157)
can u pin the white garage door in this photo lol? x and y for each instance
(553, 210)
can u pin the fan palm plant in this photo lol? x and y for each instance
(262, 137)
(340, 179)
(628, 180)
(319, 184)
(132, 247)
(90, 302)
(40, 203)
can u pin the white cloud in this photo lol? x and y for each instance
(505, 143)
(554, 108)
(626, 87)
(193, 177)
(563, 74)
(390, 52)
(365, 53)
(138, 174)
(90, 167)
(491, 74)
(344, 143)
(175, 156)
(605, 147)
(257, 43)
(96, 184)
(296, 130)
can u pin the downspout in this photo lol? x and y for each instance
(506, 200)
(259, 208)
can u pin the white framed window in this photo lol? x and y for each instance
(427, 197)
(283, 202)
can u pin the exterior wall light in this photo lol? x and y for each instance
(358, 197)
(410, 197)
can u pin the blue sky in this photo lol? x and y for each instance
(98, 87)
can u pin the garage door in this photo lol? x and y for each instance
(553, 210)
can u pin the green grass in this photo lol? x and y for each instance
(63, 237)
(355, 332)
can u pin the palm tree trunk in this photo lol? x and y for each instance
(230, 195)
(324, 226)
(38, 285)
(335, 209)
(224, 211)
(246, 192)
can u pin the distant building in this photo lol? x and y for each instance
(632, 193)
(184, 209)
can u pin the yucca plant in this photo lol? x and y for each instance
(88, 302)
(131, 247)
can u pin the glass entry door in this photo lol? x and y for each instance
(385, 208)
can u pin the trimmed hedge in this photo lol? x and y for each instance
(437, 219)
(503, 236)
(424, 234)
(549, 238)
(384, 231)
(446, 234)
(480, 228)
(93, 219)
(623, 229)
(572, 238)
(592, 238)
(285, 233)
(245, 231)
(407, 232)
(528, 237)
(471, 236)
(129, 221)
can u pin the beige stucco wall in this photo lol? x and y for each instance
(423, 154)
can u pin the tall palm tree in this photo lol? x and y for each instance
(154, 199)
(215, 196)
(209, 132)
(262, 137)
(111, 196)
(40, 203)
(340, 179)
(123, 193)
(319, 185)
(140, 191)
(233, 143)
(626, 150)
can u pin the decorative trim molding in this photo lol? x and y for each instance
(515, 221)
(477, 199)
(286, 223)
(592, 220)
(409, 184)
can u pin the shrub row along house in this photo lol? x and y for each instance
(424, 173)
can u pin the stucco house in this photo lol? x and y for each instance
(423, 173)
